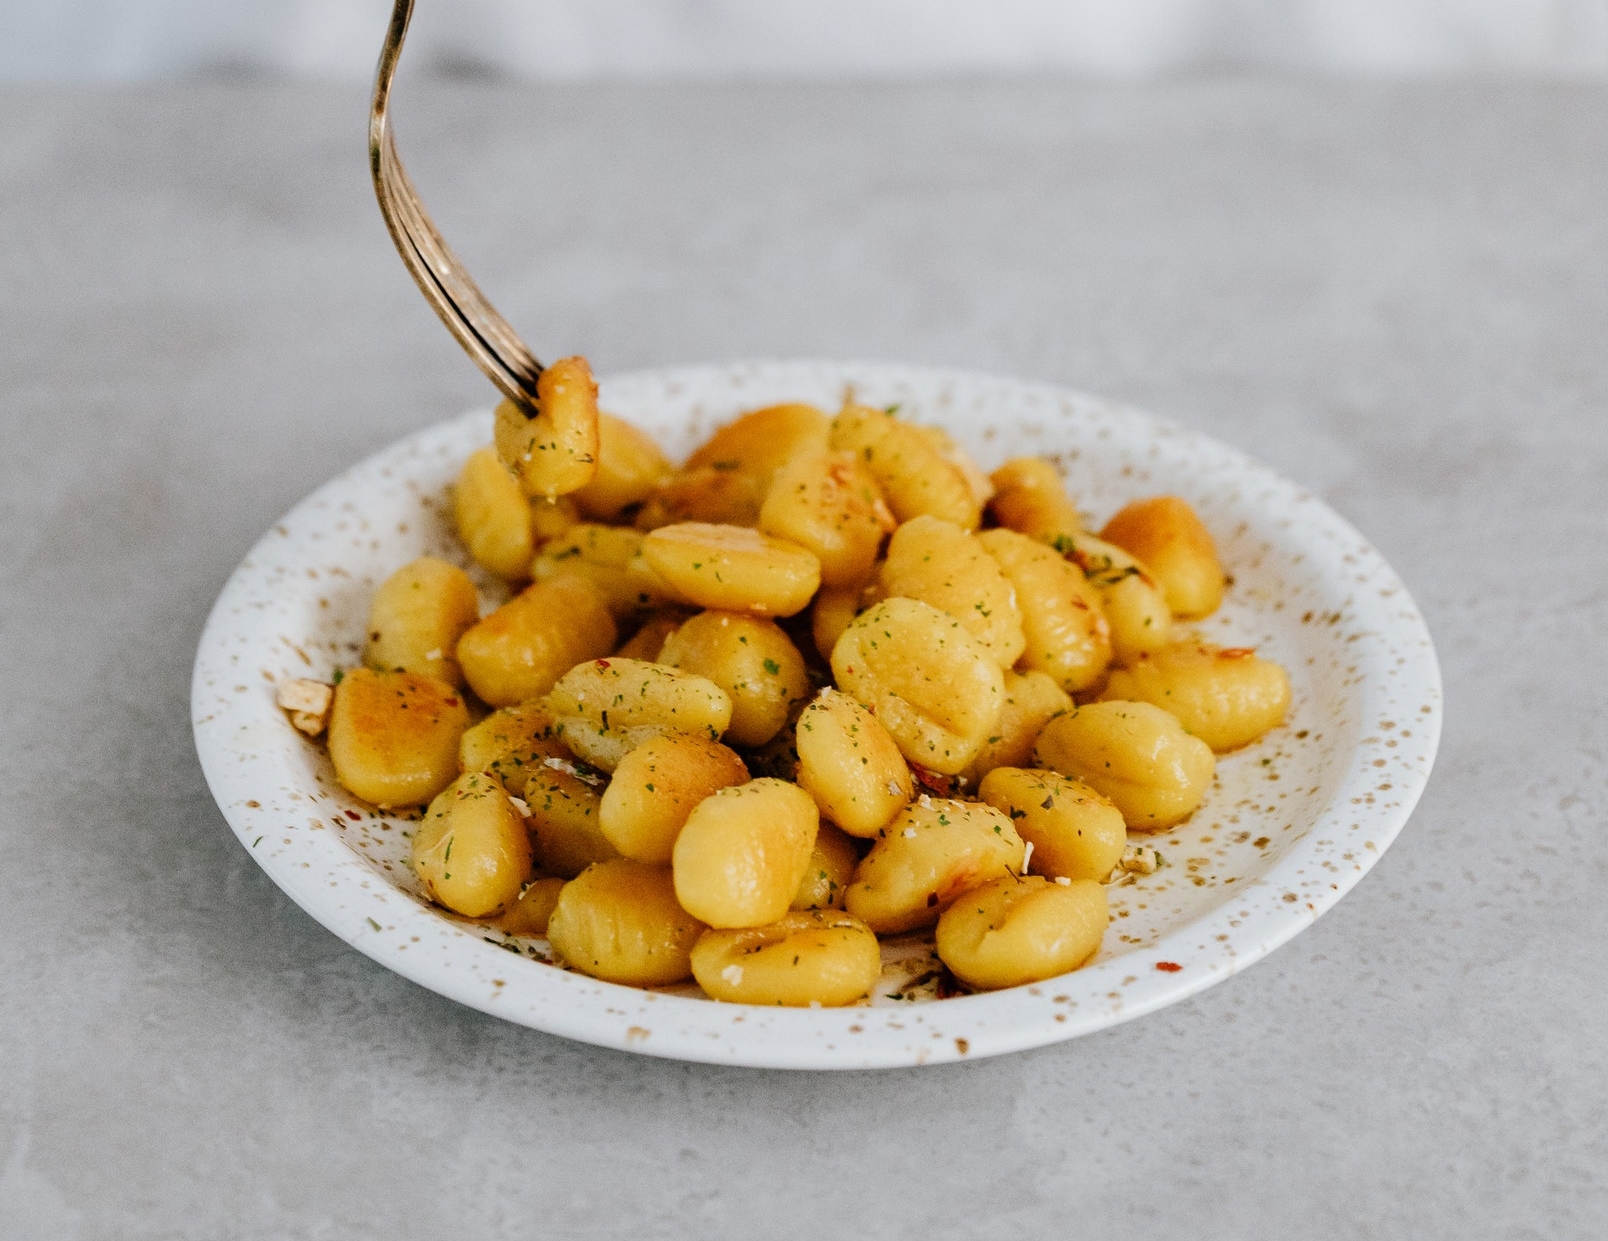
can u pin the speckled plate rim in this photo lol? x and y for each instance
(238, 740)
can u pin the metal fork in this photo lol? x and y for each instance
(483, 333)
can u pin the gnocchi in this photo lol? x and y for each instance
(917, 477)
(1029, 498)
(554, 452)
(470, 851)
(606, 557)
(519, 651)
(733, 568)
(1228, 697)
(1015, 931)
(621, 921)
(1075, 832)
(831, 867)
(393, 736)
(511, 743)
(828, 503)
(1068, 636)
(850, 764)
(494, 516)
(1134, 753)
(564, 803)
(845, 707)
(938, 563)
(932, 852)
(655, 788)
(752, 660)
(605, 708)
(814, 957)
(649, 639)
(935, 688)
(744, 851)
(1167, 535)
(629, 467)
(417, 616)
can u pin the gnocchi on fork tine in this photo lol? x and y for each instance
(547, 427)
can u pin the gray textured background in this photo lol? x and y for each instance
(1395, 295)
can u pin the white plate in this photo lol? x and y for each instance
(1290, 825)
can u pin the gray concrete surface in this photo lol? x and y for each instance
(1397, 295)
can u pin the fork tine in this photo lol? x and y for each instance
(484, 334)
(451, 275)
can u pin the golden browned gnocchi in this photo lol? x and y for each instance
(511, 743)
(1029, 498)
(555, 452)
(1075, 832)
(1165, 533)
(1134, 604)
(726, 480)
(620, 921)
(829, 503)
(470, 850)
(1226, 696)
(549, 518)
(517, 652)
(709, 493)
(743, 852)
(629, 467)
(609, 559)
(933, 851)
(733, 568)
(937, 562)
(934, 687)
(760, 442)
(605, 708)
(655, 788)
(833, 609)
(850, 764)
(913, 471)
(977, 480)
(606, 800)
(1134, 753)
(831, 867)
(531, 911)
(393, 736)
(494, 516)
(1015, 931)
(1032, 699)
(807, 957)
(1068, 636)
(566, 831)
(417, 616)
(752, 660)
(649, 639)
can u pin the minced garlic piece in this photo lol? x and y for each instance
(1139, 860)
(308, 703)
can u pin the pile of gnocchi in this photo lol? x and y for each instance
(825, 681)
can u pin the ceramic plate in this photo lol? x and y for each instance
(1290, 825)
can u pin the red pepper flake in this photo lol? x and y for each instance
(603, 663)
(1168, 967)
(354, 816)
(452, 702)
(933, 782)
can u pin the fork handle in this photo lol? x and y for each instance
(484, 334)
